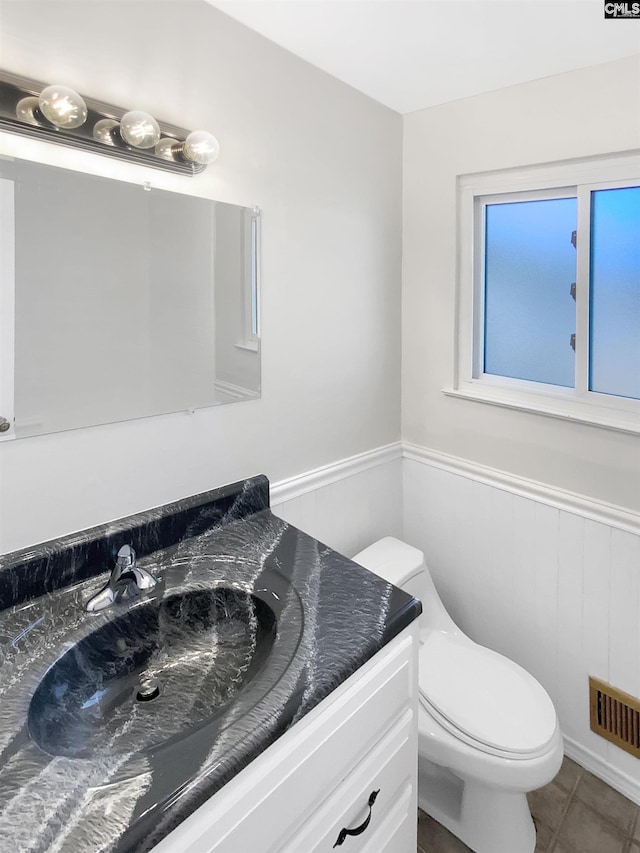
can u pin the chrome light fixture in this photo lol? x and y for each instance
(59, 114)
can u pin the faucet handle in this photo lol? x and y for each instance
(127, 580)
(126, 558)
(126, 562)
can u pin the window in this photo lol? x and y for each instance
(549, 290)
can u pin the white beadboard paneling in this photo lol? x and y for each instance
(624, 613)
(546, 596)
(335, 524)
(437, 525)
(382, 513)
(595, 618)
(300, 511)
(524, 578)
(549, 581)
(430, 522)
(346, 510)
(476, 534)
(414, 497)
(572, 688)
(595, 599)
(461, 569)
(500, 575)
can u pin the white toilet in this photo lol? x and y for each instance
(487, 730)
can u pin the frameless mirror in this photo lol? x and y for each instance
(120, 301)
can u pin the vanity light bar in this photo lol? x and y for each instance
(60, 115)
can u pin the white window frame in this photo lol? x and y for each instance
(576, 178)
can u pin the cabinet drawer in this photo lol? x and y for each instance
(389, 769)
(398, 829)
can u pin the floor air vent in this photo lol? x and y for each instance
(615, 715)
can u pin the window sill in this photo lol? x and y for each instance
(563, 409)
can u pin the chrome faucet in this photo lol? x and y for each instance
(127, 581)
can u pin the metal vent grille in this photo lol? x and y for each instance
(615, 715)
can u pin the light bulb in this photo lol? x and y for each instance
(139, 129)
(103, 131)
(62, 107)
(25, 110)
(201, 147)
(166, 148)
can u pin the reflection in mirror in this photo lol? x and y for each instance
(120, 301)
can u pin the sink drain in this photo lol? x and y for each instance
(149, 690)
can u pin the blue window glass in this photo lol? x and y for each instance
(530, 264)
(614, 353)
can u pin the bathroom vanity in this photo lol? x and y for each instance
(283, 709)
(348, 765)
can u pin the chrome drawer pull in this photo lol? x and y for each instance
(358, 829)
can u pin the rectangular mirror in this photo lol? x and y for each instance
(120, 301)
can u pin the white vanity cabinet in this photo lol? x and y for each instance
(319, 777)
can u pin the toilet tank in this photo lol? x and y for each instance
(404, 566)
(397, 563)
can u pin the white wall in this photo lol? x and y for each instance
(586, 112)
(324, 164)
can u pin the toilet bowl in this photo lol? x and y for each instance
(487, 730)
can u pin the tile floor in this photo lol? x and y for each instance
(575, 813)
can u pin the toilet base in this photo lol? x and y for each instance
(488, 820)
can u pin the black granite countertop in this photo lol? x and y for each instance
(84, 767)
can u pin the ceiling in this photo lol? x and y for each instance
(412, 54)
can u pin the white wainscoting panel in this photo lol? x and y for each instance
(549, 579)
(347, 505)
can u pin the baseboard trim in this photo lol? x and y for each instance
(615, 778)
(586, 507)
(294, 487)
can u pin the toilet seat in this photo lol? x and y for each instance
(483, 698)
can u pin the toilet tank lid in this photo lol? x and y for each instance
(391, 559)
